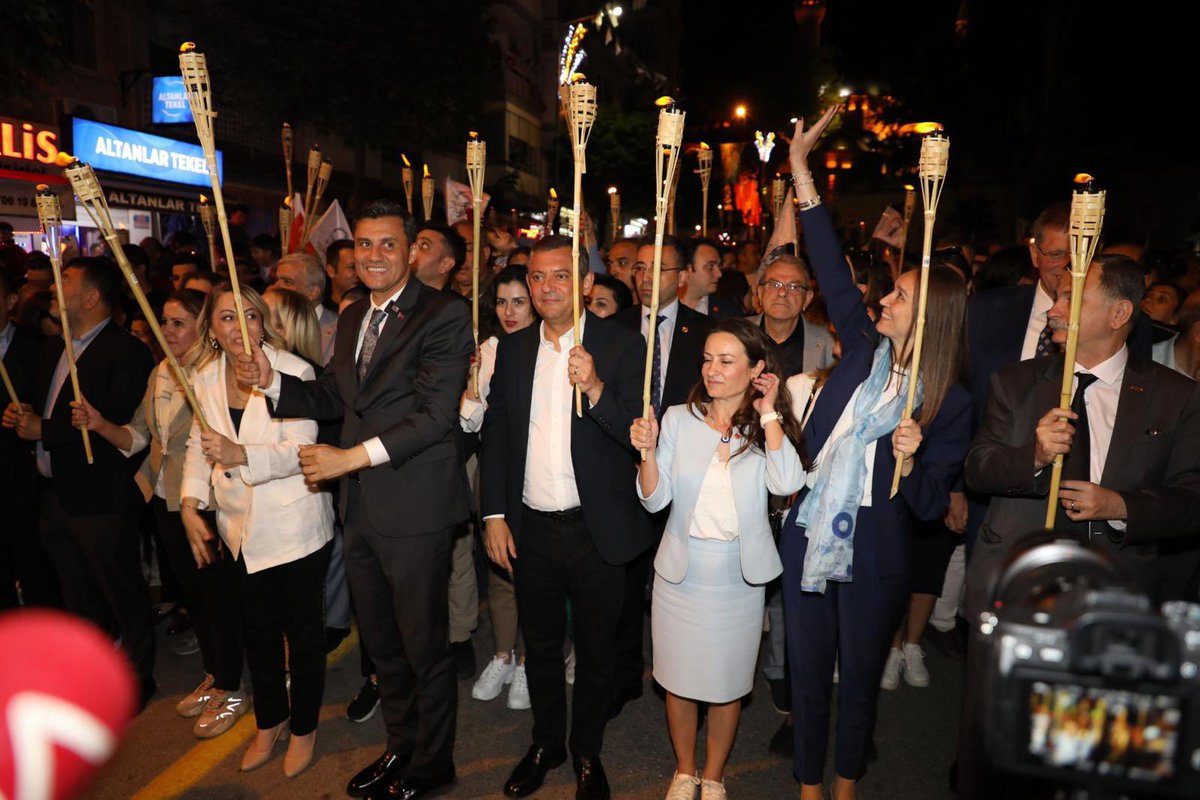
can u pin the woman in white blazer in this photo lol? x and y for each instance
(716, 460)
(273, 527)
(162, 424)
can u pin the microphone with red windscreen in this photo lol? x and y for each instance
(66, 695)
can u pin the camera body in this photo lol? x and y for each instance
(1091, 686)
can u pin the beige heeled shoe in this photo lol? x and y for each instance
(259, 751)
(299, 754)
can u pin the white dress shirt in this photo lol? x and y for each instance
(1164, 353)
(715, 516)
(549, 470)
(376, 452)
(662, 339)
(1101, 399)
(800, 387)
(56, 384)
(1042, 303)
(702, 306)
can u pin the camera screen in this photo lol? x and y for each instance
(1105, 732)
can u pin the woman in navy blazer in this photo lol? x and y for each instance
(717, 457)
(850, 612)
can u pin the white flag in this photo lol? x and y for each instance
(329, 228)
(889, 227)
(459, 200)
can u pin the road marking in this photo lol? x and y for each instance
(191, 768)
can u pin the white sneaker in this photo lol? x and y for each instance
(193, 704)
(891, 670)
(220, 713)
(518, 693)
(570, 667)
(683, 787)
(915, 673)
(495, 676)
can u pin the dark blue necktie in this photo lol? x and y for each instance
(1045, 343)
(656, 368)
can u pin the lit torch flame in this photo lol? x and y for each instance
(553, 193)
(426, 170)
(203, 200)
(64, 159)
(1084, 178)
(405, 159)
(704, 146)
(187, 47)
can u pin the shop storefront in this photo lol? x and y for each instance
(27, 153)
(153, 184)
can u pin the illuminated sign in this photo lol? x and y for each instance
(115, 149)
(27, 142)
(168, 101)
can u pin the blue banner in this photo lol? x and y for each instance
(168, 101)
(116, 149)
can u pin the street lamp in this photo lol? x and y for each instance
(740, 111)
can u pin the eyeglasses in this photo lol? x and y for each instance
(794, 287)
(638, 269)
(1056, 255)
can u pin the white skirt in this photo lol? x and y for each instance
(707, 629)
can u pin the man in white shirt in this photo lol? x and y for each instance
(303, 273)
(560, 510)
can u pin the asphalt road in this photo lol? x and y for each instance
(159, 757)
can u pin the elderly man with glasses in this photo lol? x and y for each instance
(785, 291)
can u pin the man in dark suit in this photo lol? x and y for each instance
(560, 509)
(22, 557)
(679, 341)
(399, 368)
(698, 283)
(1131, 477)
(88, 513)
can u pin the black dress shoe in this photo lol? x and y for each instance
(781, 694)
(590, 781)
(464, 659)
(375, 776)
(621, 697)
(411, 787)
(527, 776)
(334, 637)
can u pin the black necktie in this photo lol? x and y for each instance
(1045, 343)
(1077, 466)
(369, 341)
(656, 367)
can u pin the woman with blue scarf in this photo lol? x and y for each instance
(845, 545)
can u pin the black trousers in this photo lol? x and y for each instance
(23, 558)
(631, 657)
(98, 561)
(399, 587)
(285, 601)
(208, 594)
(557, 561)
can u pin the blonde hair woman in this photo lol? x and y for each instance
(273, 526)
(294, 319)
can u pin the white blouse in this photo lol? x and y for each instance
(715, 516)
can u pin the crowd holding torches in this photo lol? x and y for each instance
(91, 198)
(50, 215)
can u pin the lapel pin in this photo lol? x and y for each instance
(684, 329)
(1153, 431)
(394, 309)
(1133, 387)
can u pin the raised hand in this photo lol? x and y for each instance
(767, 385)
(643, 434)
(803, 140)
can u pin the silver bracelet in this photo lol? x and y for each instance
(805, 205)
(796, 179)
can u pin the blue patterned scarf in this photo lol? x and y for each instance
(829, 511)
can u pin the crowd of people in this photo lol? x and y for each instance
(352, 452)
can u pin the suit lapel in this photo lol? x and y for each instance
(1015, 344)
(1132, 408)
(526, 365)
(399, 312)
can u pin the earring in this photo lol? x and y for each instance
(262, 337)
(213, 343)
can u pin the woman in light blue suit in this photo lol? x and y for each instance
(717, 458)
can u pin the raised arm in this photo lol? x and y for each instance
(842, 298)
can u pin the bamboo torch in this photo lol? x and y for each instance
(285, 223)
(778, 192)
(671, 203)
(50, 215)
(289, 152)
(910, 201)
(614, 208)
(199, 93)
(551, 211)
(581, 117)
(704, 157)
(935, 159)
(1087, 219)
(666, 161)
(208, 218)
(314, 168)
(427, 193)
(406, 175)
(324, 171)
(91, 197)
(476, 164)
